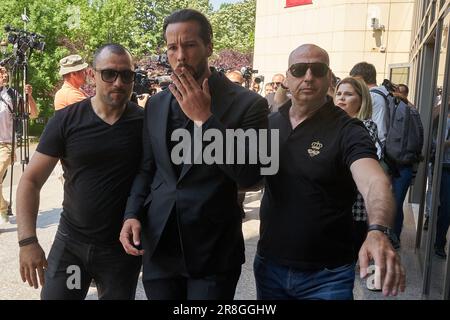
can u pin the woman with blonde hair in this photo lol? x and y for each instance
(352, 95)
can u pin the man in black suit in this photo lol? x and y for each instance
(187, 214)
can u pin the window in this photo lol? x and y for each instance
(399, 73)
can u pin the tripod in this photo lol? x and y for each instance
(20, 115)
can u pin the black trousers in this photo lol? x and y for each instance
(216, 287)
(73, 264)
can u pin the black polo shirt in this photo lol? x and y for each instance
(306, 211)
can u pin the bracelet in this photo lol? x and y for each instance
(27, 241)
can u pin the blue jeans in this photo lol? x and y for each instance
(400, 185)
(277, 282)
(444, 209)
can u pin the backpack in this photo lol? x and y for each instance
(404, 131)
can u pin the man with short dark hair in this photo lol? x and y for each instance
(403, 89)
(368, 73)
(402, 92)
(402, 173)
(189, 215)
(305, 249)
(99, 143)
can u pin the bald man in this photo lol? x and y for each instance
(305, 246)
(277, 82)
(235, 76)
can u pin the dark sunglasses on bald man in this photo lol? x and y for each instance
(110, 75)
(318, 69)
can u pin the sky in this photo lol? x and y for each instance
(216, 3)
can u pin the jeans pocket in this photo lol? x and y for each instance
(343, 268)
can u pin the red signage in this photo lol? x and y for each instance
(294, 3)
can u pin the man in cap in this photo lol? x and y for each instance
(73, 71)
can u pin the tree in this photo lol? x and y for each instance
(151, 14)
(106, 21)
(81, 26)
(234, 26)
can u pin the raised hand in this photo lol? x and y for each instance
(195, 101)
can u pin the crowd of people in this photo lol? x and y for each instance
(332, 207)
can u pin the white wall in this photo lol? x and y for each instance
(342, 27)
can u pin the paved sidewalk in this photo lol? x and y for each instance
(11, 286)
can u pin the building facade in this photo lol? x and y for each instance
(430, 91)
(351, 31)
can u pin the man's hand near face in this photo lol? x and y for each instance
(195, 101)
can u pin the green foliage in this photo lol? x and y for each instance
(151, 14)
(234, 26)
(81, 26)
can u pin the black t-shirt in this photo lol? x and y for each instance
(306, 211)
(99, 162)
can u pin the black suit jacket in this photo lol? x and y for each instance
(205, 196)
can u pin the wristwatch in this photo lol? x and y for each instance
(378, 227)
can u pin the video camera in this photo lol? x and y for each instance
(24, 40)
(259, 79)
(247, 72)
(142, 83)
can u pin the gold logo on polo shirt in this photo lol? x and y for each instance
(315, 148)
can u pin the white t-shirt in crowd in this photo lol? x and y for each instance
(6, 122)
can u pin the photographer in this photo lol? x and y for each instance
(6, 130)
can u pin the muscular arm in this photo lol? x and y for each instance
(376, 191)
(31, 257)
(375, 188)
(28, 191)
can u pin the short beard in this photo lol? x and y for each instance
(116, 103)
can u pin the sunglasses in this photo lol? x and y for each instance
(318, 69)
(110, 75)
